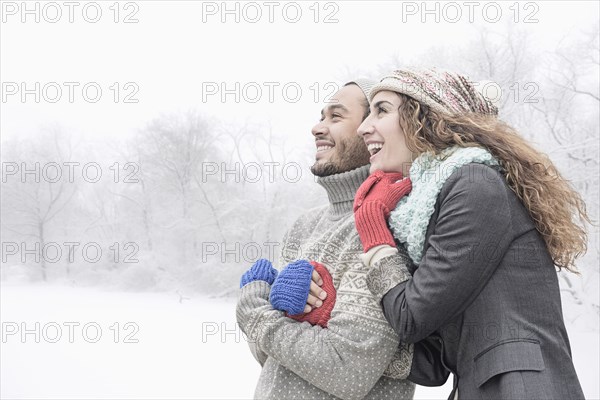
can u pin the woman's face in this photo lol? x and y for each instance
(384, 137)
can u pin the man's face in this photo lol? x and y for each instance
(339, 148)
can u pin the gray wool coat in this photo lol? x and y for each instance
(487, 291)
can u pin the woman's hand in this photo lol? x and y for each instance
(374, 200)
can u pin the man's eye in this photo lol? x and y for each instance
(336, 116)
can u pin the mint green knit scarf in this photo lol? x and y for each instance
(428, 173)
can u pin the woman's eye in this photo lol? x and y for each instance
(381, 110)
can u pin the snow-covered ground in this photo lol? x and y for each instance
(170, 348)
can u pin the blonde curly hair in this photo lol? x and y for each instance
(558, 211)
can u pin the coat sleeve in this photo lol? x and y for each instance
(472, 233)
(346, 359)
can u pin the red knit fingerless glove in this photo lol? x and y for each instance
(374, 200)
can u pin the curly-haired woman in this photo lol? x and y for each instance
(488, 221)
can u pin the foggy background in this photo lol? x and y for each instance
(152, 151)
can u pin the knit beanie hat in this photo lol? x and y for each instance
(364, 84)
(443, 91)
(320, 315)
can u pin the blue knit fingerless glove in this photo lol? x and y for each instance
(290, 290)
(262, 270)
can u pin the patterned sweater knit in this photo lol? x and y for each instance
(359, 355)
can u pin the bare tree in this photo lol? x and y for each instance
(31, 202)
(171, 150)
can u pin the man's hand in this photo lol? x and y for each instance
(292, 291)
(261, 270)
(297, 291)
(374, 200)
(316, 294)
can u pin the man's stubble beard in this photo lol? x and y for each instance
(349, 155)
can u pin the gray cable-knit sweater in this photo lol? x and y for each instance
(358, 356)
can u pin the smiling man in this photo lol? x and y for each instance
(337, 151)
(349, 351)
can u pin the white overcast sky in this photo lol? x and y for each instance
(171, 52)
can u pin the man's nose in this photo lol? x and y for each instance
(319, 129)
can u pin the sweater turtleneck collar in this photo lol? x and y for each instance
(341, 189)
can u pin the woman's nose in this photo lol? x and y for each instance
(365, 128)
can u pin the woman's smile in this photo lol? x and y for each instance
(374, 148)
(383, 135)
